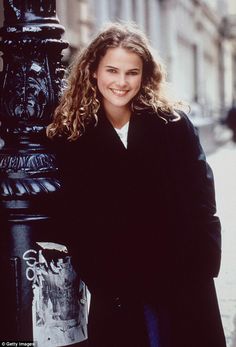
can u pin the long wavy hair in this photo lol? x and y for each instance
(81, 100)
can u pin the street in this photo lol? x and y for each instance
(223, 163)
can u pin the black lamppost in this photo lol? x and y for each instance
(40, 292)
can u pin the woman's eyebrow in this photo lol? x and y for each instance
(135, 69)
(111, 67)
(116, 68)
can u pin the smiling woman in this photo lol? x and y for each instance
(148, 76)
(139, 204)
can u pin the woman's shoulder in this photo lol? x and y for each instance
(65, 150)
(63, 144)
(180, 123)
(177, 119)
(177, 127)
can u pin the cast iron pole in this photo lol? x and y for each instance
(40, 293)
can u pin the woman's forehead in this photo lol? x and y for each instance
(121, 56)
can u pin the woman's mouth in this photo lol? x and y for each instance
(119, 92)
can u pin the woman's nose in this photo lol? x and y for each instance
(121, 81)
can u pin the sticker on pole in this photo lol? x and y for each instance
(60, 300)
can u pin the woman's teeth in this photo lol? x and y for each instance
(119, 92)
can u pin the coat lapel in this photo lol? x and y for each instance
(140, 128)
(145, 139)
(107, 135)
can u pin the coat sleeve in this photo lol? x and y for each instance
(197, 228)
(67, 206)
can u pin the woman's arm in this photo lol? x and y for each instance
(198, 228)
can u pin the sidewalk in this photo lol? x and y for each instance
(223, 163)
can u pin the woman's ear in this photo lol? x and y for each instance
(95, 75)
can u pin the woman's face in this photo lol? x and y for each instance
(119, 77)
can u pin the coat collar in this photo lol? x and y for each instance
(141, 123)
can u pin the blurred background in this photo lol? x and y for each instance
(197, 41)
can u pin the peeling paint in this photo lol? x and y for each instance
(31, 29)
(11, 29)
(36, 67)
(15, 9)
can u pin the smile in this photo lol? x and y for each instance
(119, 92)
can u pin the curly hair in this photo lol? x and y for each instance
(81, 101)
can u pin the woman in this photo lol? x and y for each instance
(146, 236)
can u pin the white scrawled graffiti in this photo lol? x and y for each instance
(31, 261)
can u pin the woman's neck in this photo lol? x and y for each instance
(118, 116)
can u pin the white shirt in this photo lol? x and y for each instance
(123, 133)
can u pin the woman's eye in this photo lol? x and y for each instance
(133, 73)
(111, 70)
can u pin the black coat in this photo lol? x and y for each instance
(142, 224)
